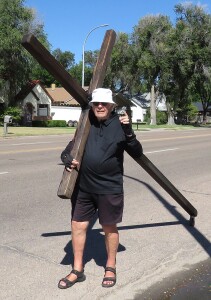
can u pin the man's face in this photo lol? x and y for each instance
(102, 111)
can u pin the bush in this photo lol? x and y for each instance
(14, 112)
(49, 123)
(56, 123)
(161, 117)
(37, 123)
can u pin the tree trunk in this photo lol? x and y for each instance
(4, 93)
(170, 114)
(152, 106)
(204, 117)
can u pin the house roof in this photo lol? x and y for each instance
(61, 97)
(143, 100)
(199, 106)
(58, 95)
(26, 89)
(122, 100)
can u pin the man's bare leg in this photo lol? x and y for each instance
(79, 230)
(112, 243)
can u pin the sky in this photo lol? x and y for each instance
(68, 23)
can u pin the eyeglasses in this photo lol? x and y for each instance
(99, 103)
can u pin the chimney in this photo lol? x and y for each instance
(53, 86)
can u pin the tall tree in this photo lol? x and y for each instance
(65, 58)
(167, 84)
(76, 72)
(201, 89)
(194, 38)
(90, 59)
(15, 21)
(120, 75)
(149, 38)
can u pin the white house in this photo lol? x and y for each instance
(70, 114)
(138, 112)
(35, 102)
(64, 106)
(40, 103)
(142, 103)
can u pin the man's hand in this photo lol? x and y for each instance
(126, 125)
(69, 162)
(73, 165)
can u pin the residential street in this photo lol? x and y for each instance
(155, 237)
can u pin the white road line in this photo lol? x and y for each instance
(164, 150)
(2, 173)
(20, 144)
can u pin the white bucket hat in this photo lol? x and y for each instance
(102, 95)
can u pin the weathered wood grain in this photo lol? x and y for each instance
(153, 171)
(68, 181)
(47, 61)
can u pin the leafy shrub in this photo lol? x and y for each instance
(37, 123)
(161, 117)
(14, 112)
(56, 123)
(147, 116)
(49, 123)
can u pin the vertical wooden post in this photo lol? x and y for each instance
(68, 181)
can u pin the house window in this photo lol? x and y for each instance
(43, 110)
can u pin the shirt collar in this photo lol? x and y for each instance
(112, 116)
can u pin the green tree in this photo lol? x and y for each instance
(14, 112)
(149, 39)
(120, 74)
(185, 74)
(191, 57)
(76, 72)
(66, 58)
(201, 89)
(90, 59)
(15, 21)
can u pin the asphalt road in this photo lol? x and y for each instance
(155, 237)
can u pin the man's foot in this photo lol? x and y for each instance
(109, 279)
(71, 279)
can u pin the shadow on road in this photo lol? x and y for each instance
(95, 246)
(94, 249)
(199, 237)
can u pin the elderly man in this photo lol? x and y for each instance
(99, 185)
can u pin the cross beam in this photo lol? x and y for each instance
(43, 56)
(45, 59)
(151, 169)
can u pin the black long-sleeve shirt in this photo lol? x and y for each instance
(101, 170)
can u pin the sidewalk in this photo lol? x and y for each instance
(150, 249)
(156, 239)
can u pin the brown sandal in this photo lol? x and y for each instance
(113, 279)
(80, 277)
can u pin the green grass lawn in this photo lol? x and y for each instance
(167, 127)
(29, 131)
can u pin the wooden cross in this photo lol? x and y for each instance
(66, 187)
